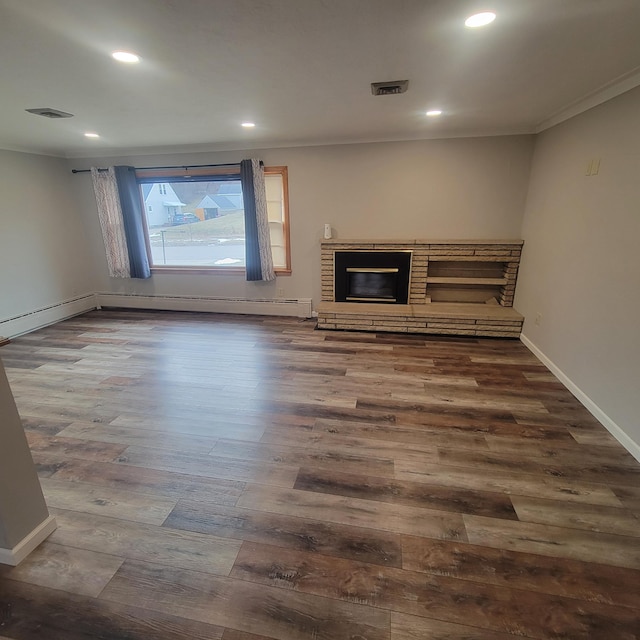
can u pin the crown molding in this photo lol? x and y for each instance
(611, 90)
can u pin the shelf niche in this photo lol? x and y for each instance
(469, 281)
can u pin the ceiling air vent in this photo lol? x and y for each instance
(48, 112)
(389, 88)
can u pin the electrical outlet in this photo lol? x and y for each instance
(593, 167)
(538, 319)
(280, 292)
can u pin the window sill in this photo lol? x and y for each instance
(211, 271)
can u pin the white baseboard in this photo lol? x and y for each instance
(300, 308)
(615, 430)
(16, 555)
(38, 318)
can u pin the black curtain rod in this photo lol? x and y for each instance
(181, 166)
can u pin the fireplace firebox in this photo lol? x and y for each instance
(372, 276)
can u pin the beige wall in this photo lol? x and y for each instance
(581, 262)
(22, 506)
(43, 254)
(457, 188)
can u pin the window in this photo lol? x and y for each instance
(195, 222)
(277, 189)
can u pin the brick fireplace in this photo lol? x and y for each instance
(461, 287)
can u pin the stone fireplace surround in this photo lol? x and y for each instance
(444, 296)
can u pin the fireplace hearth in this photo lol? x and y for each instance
(372, 276)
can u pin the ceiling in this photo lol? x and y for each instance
(301, 70)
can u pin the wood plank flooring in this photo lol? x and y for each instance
(219, 477)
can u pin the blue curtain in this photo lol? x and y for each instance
(132, 217)
(259, 261)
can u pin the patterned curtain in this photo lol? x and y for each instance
(133, 221)
(256, 223)
(110, 215)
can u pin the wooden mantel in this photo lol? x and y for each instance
(460, 287)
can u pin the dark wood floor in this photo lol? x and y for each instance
(238, 478)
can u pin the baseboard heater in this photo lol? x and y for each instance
(298, 307)
(37, 318)
(44, 316)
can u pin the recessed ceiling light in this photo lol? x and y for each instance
(248, 125)
(90, 134)
(480, 19)
(125, 56)
(434, 112)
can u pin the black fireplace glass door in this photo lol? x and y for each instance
(372, 276)
(372, 284)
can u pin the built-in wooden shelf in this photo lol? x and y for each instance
(453, 280)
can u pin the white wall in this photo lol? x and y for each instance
(44, 258)
(581, 262)
(456, 188)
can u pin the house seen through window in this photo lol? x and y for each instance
(198, 221)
